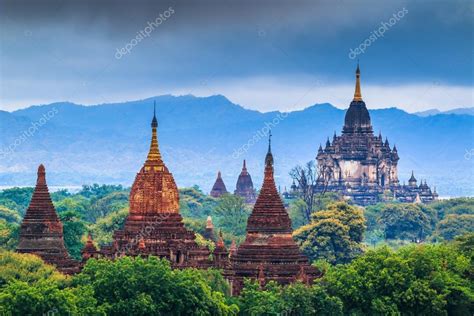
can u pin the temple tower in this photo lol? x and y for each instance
(218, 188)
(154, 225)
(244, 186)
(359, 165)
(269, 249)
(41, 231)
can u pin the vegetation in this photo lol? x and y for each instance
(421, 261)
(334, 234)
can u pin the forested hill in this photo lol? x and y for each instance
(108, 143)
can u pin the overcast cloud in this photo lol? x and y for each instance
(265, 56)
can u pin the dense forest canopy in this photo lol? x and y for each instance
(390, 258)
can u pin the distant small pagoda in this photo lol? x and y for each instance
(361, 166)
(41, 231)
(269, 252)
(244, 187)
(218, 189)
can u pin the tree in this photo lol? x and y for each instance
(9, 215)
(296, 212)
(96, 191)
(416, 280)
(293, 299)
(334, 234)
(194, 203)
(104, 228)
(406, 221)
(306, 178)
(455, 225)
(16, 199)
(143, 286)
(232, 213)
(30, 287)
(9, 234)
(74, 229)
(76, 203)
(102, 207)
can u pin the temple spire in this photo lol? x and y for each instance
(154, 153)
(269, 156)
(357, 93)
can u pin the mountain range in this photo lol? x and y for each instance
(198, 136)
(466, 111)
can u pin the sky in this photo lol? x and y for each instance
(265, 55)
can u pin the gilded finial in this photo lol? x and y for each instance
(154, 153)
(357, 93)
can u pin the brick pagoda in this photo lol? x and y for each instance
(244, 186)
(269, 251)
(154, 225)
(218, 188)
(41, 231)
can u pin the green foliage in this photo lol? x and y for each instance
(16, 199)
(8, 234)
(294, 299)
(26, 268)
(112, 202)
(76, 203)
(458, 206)
(104, 228)
(10, 216)
(454, 225)
(137, 286)
(231, 214)
(195, 204)
(74, 228)
(406, 221)
(97, 191)
(296, 211)
(334, 234)
(216, 281)
(416, 280)
(30, 287)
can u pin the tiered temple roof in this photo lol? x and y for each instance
(209, 232)
(89, 250)
(244, 186)
(269, 251)
(154, 225)
(218, 188)
(41, 231)
(359, 165)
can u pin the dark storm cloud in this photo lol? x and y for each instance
(72, 44)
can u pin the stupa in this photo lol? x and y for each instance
(154, 225)
(218, 188)
(41, 231)
(244, 186)
(269, 251)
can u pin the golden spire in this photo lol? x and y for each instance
(154, 153)
(357, 93)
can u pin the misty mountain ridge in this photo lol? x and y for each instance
(198, 136)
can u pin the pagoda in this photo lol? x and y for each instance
(244, 186)
(218, 188)
(154, 225)
(269, 251)
(41, 231)
(89, 250)
(361, 166)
